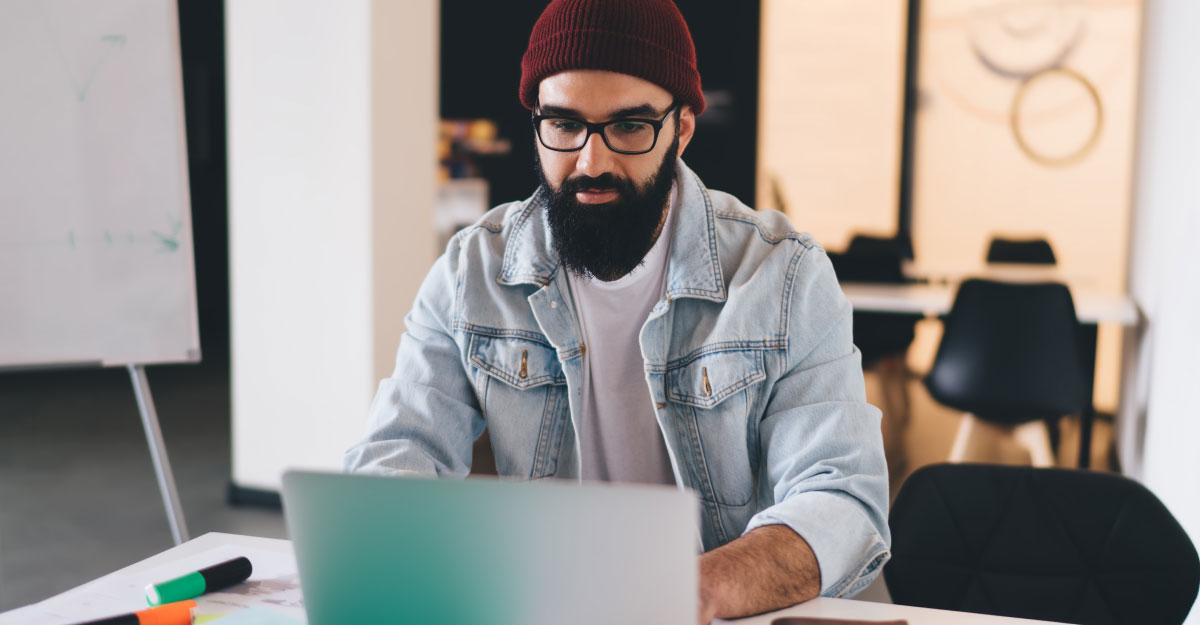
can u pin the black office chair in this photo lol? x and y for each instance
(1029, 251)
(1052, 544)
(883, 338)
(1034, 251)
(900, 245)
(877, 260)
(1010, 356)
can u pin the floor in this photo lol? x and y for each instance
(78, 497)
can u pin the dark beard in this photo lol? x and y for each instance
(610, 240)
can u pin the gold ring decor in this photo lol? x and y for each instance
(1014, 114)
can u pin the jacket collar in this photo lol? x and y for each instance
(693, 269)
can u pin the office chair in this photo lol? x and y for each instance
(1051, 544)
(877, 260)
(883, 338)
(1029, 251)
(1010, 356)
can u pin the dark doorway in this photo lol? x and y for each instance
(202, 44)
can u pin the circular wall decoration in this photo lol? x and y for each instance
(1015, 118)
(1020, 39)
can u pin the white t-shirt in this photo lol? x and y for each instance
(619, 437)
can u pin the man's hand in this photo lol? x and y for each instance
(770, 568)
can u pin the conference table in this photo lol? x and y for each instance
(272, 594)
(931, 294)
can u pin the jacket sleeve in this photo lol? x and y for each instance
(425, 417)
(821, 446)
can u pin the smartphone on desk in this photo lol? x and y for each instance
(813, 620)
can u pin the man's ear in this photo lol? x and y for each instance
(687, 126)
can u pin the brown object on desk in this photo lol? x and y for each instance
(815, 620)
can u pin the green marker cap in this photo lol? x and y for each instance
(178, 589)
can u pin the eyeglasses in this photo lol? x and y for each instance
(627, 135)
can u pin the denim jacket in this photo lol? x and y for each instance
(757, 387)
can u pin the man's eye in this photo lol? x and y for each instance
(566, 125)
(631, 128)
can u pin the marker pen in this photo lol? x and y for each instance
(179, 613)
(213, 578)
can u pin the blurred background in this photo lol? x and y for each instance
(333, 148)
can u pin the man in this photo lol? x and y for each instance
(625, 323)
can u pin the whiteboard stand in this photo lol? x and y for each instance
(158, 453)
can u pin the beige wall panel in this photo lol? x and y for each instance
(830, 111)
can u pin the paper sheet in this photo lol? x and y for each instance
(273, 586)
(258, 616)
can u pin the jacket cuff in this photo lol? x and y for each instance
(850, 552)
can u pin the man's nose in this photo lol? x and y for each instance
(594, 158)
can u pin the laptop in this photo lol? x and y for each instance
(491, 552)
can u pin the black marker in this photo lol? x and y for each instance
(192, 585)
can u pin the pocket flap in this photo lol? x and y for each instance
(520, 363)
(712, 378)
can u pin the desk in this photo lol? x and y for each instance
(935, 300)
(48, 611)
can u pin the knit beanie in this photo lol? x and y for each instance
(643, 38)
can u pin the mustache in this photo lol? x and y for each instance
(603, 182)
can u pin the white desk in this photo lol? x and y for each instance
(868, 611)
(129, 595)
(932, 300)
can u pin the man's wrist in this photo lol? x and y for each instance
(768, 568)
(712, 587)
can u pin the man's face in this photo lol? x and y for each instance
(606, 208)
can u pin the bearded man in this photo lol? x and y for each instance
(627, 324)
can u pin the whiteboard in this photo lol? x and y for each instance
(96, 262)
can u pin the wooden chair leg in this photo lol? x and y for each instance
(958, 453)
(893, 382)
(1035, 438)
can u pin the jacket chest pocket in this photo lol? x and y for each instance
(522, 389)
(715, 395)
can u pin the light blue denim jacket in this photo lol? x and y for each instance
(757, 386)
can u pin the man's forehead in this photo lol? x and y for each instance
(598, 93)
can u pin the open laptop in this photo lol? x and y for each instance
(490, 552)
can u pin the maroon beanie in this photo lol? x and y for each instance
(643, 38)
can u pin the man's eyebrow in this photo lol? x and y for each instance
(640, 110)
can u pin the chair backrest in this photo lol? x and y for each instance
(1031, 251)
(1010, 353)
(875, 259)
(1052, 544)
(865, 244)
(871, 259)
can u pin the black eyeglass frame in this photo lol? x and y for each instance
(598, 128)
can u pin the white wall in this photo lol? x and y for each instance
(332, 117)
(1160, 420)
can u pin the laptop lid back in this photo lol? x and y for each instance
(418, 550)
